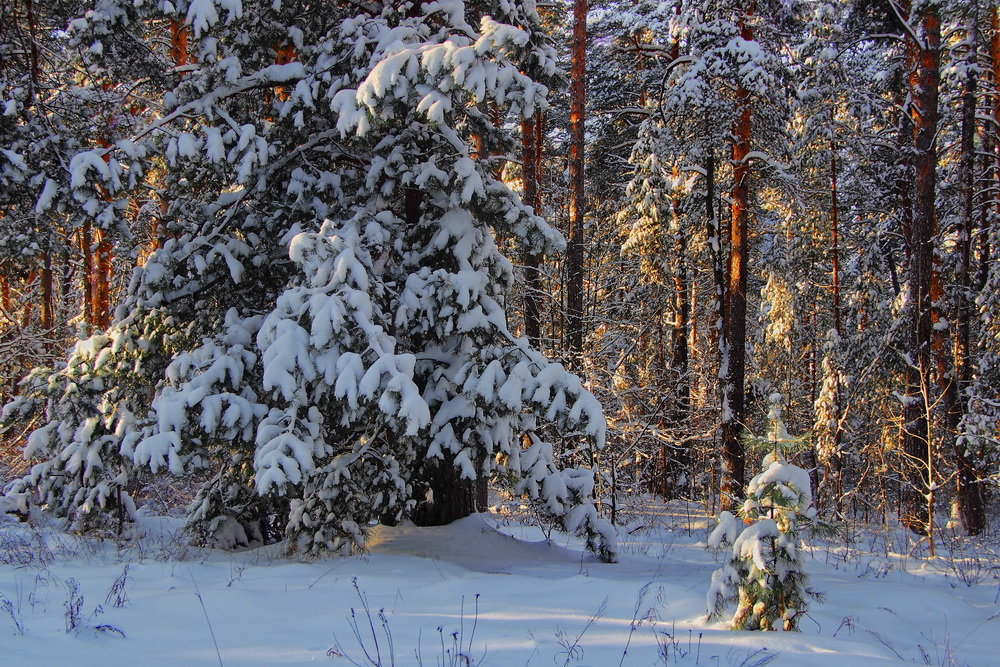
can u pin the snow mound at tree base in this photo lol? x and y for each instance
(473, 543)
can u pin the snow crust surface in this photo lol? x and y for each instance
(533, 595)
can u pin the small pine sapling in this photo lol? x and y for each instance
(764, 576)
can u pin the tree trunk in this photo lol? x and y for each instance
(532, 260)
(100, 290)
(450, 497)
(5, 296)
(917, 444)
(575, 240)
(679, 331)
(86, 248)
(968, 492)
(834, 237)
(832, 467)
(28, 311)
(178, 42)
(46, 317)
(733, 373)
(682, 290)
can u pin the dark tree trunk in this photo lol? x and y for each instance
(530, 154)
(46, 317)
(682, 292)
(450, 496)
(679, 331)
(86, 253)
(991, 205)
(968, 492)
(575, 240)
(833, 470)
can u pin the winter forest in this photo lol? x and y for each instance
(689, 305)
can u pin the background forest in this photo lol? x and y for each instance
(767, 205)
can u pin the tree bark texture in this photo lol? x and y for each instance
(917, 443)
(575, 240)
(968, 491)
(530, 157)
(735, 322)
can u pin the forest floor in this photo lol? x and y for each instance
(488, 588)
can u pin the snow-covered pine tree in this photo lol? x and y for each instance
(323, 325)
(764, 576)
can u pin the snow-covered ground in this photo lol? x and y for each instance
(489, 589)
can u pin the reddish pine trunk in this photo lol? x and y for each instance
(180, 56)
(100, 290)
(179, 42)
(46, 318)
(735, 321)
(5, 295)
(917, 444)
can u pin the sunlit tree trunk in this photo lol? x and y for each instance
(733, 373)
(46, 310)
(103, 272)
(917, 443)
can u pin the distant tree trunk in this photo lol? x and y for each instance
(574, 250)
(682, 316)
(28, 311)
(717, 313)
(682, 300)
(33, 61)
(833, 468)
(180, 56)
(917, 444)
(969, 496)
(834, 237)
(5, 295)
(46, 316)
(994, 140)
(530, 150)
(86, 250)
(714, 234)
(903, 185)
(733, 372)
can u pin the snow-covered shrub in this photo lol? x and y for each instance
(764, 576)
